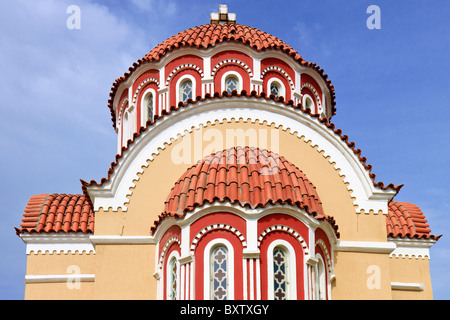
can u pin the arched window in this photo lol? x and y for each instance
(186, 89)
(281, 271)
(308, 103)
(231, 83)
(321, 280)
(219, 273)
(149, 106)
(280, 277)
(275, 89)
(172, 279)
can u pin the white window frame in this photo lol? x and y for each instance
(314, 102)
(278, 81)
(232, 73)
(291, 288)
(128, 124)
(144, 113)
(207, 268)
(173, 254)
(321, 278)
(178, 87)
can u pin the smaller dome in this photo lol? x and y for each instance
(209, 35)
(246, 176)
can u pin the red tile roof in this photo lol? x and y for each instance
(405, 219)
(57, 213)
(243, 182)
(246, 176)
(210, 35)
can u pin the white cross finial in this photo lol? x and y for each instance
(223, 17)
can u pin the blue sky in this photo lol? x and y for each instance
(391, 87)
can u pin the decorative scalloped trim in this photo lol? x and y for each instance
(280, 71)
(143, 84)
(122, 109)
(183, 67)
(217, 226)
(285, 229)
(60, 251)
(235, 62)
(324, 248)
(167, 245)
(316, 94)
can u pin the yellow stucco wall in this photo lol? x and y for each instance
(60, 264)
(411, 270)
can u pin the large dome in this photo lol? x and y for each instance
(209, 35)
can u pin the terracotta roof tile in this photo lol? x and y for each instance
(406, 220)
(231, 179)
(210, 35)
(57, 213)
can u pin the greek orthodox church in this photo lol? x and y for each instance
(230, 182)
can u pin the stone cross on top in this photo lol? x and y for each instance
(223, 17)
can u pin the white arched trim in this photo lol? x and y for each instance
(316, 96)
(207, 269)
(288, 230)
(166, 247)
(113, 192)
(142, 85)
(217, 226)
(232, 62)
(291, 268)
(280, 71)
(123, 106)
(183, 67)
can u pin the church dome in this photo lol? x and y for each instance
(247, 176)
(214, 34)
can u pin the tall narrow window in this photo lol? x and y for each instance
(279, 274)
(231, 83)
(149, 106)
(275, 89)
(186, 90)
(308, 103)
(172, 274)
(321, 281)
(219, 273)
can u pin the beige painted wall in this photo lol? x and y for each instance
(59, 264)
(411, 270)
